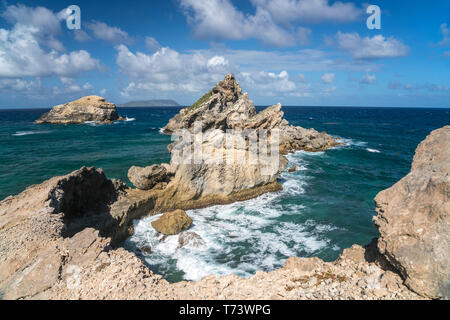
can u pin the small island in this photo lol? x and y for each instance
(89, 108)
(151, 103)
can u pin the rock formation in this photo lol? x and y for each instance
(172, 222)
(155, 176)
(414, 219)
(229, 167)
(57, 241)
(89, 108)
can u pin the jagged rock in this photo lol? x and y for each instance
(230, 168)
(89, 108)
(190, 239)
(145, 249)
(219, 108)
(171, 223)
(413, 219)
(149, 177)
(292, 169)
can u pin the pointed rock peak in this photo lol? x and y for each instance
(228, 88)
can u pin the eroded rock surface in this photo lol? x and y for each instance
(89, 108)
(171, 223)
(414, 219)
(155, 176)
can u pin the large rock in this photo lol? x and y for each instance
(89, 108)
(171, 223)
(149, 177)
(228, 169)
(413, 219)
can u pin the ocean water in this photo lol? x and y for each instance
(324, 207)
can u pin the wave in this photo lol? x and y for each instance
(26, 133)
(239, 238)
(129, 119)
(373, 150)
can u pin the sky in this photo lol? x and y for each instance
(296, 52)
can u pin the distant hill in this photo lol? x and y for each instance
(151, 103)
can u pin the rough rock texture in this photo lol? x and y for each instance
(228, 168)
(89, 108)
(155, 176)
(414, 219)
(172, 222)
(55, 243)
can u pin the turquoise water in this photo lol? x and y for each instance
(325, 206)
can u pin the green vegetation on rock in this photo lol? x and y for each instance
(199, 102)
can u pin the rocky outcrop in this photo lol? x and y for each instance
(155, 176)
(89, 108)
(171, 223)
(239, 149)
(414, 219)
(57, 242)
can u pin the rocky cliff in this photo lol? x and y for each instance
(90, 108)
(57, 242)
(213, 160)
(414, 219)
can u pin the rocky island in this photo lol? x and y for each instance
(89, 108)
(61, 239)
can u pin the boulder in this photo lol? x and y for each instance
(149, 177)
(89, 108)
(414, 216)
(172, 223)
(292, 169)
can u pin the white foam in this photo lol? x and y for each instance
(373, 150)
(241, 237)
(129, 119)
(346, 142)
(26, 133)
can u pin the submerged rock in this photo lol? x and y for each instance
(89, 108)
(190, 239)
(414, 219)
(149, 177)
(171, 223)
(292, 169)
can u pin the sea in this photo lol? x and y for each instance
(325, 206)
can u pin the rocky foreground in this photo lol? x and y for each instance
(89, 108)
(55, 243)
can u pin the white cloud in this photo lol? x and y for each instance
(328, 78)
(311, 11)
(376, 47)
(102, 31)
(219, 19)
(432, 87)
(22, 55)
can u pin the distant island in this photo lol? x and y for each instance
(151, 103)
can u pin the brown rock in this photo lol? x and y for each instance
(89, 108)
(293, 169)
(414, 216)
(148, 177)
(189, 238)
(171, 223)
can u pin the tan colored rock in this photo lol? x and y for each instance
(171, 223)
(190, 239)
(89, 108)
(149, 177)
(292, 169)
(414, 219)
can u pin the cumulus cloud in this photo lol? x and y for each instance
(21, 55)
(328, 78)
(369, 48)
(219, 19)
(101, 30)
(312, 11)
(273, 21)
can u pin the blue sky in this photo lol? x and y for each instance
(297, 52)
